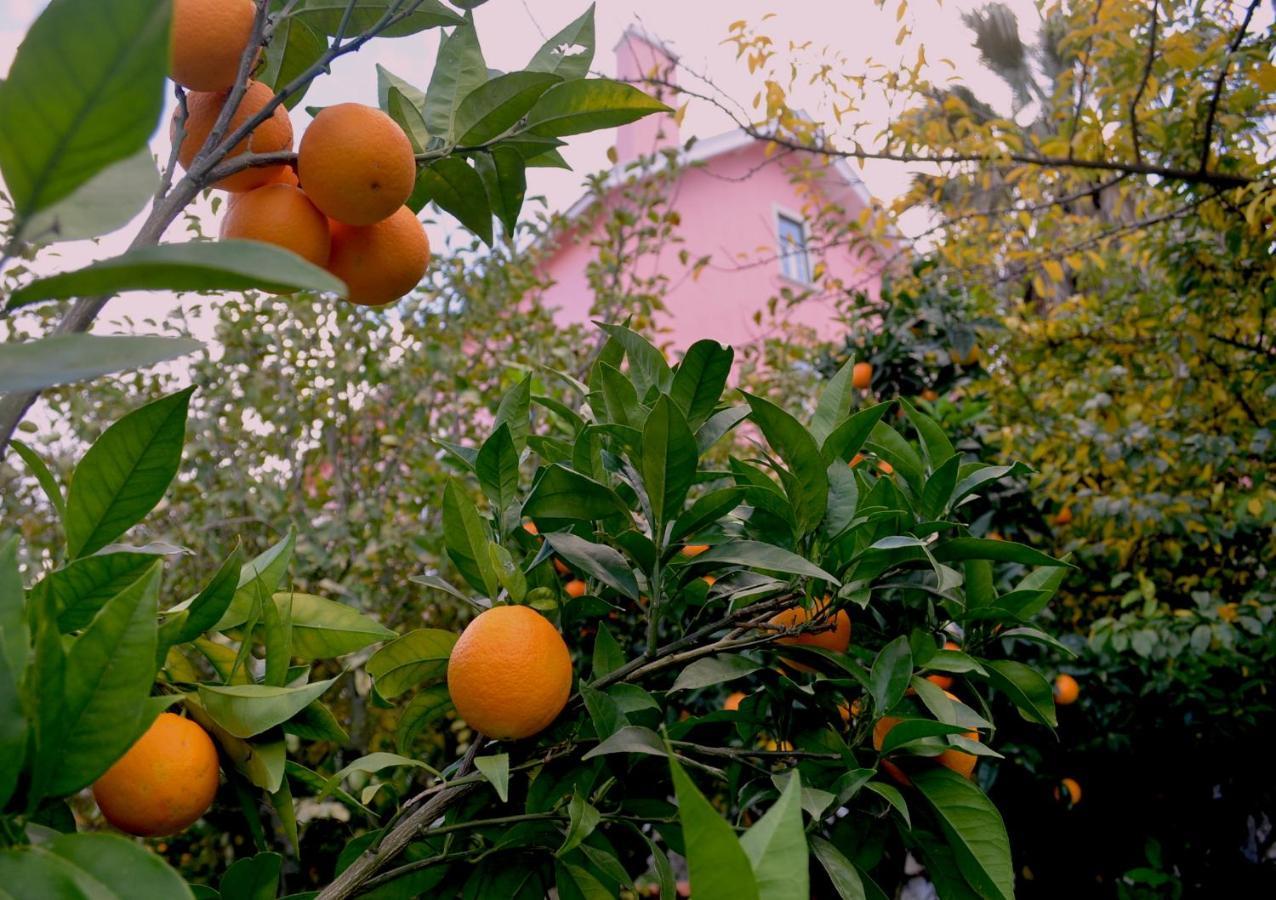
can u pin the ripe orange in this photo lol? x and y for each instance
(1066, 690)
(930, 395)
(883, 728)
(733, 701)
(856, 460)
(837, 638)
(272, 135)
(862, 376)
(382, 262)
(530, 527)
(1068, 791)
(772, 745)
(208, 38)
(165, 781)
(356, 163)
(944, 682)
(960, 761)
(709, 580)
(884, 467)
(510, 673)
(575, 588)
(693, 550)
(282, 215)
(1064, 517)
(287, 175)
(561, 567)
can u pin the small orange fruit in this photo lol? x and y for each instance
(530, 527)
(995, 536)
(837, 638)
(709, 580)
(944, 682)
(287, 175)
(1068, 791)
(895, 772)
(732, 702)
(884, 467)
(856, 460)
(380, 263)
(561, 567)
(772, 745)
(207, 39)
(282, 215)
(882, 728)
(1066, 690)
(575, 588)
(929, 395)
(165, 781)
(510, 673)
(356, 163)
(862, 376)
(272, 135)
(960, 761)
(1064, 517)
(693, 550)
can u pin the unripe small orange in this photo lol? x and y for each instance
(561, 567)
(693, 550)
(1068, 791)
(530, 527)
(733, 701)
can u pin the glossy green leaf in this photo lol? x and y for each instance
(81, 587)
(259, 577)
(669, 458)
(459, 69)
(835, 402)
(630, 739)
(325, 16)
(208, 606)
(408, 117)
(767, 557)
(569, 52)
(844, 877)
(891, 795)
(890, 674)
(252, 878)
(496, 769)
(48, 483)
(596, 560)
(936, 444)
(68, 358)
(109, 669)
(455, 187)
(245, 710)
(776, 847)
(466, 535)
(504, 177)
(97, 866)
(999, 551)
(592, 104)
(974, 831)
(647, 366)
(707, 510)
(325, 629)
(1026, 688)
(907, 731)
(809, 490)
(514, 411)
(294, 48)
(497, 469)
(718, 424)
(714, 670)
(61, 125)
(107, 201)
(194, 266)
(425, 707)
(419, 656)
(387, 80)
(583, 818)
(316, 722)
(700, 379)
(719, 867)
(562, 493)
(14, 634)
(495, 106)
(984, 474)
(125, 473)
(13, 654)
(891, 446)
(939, 488)
(849, 436)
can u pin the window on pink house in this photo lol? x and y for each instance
(795, 262)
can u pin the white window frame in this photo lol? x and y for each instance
(784, 258)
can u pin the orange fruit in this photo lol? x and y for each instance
(530, 528)
(510, 673)
(1068, 791)
(733, 701)
(693, 550)
(207, 40)
(856, 460)
(709, 580)
(772, 745)
(356, 163)
(837, 638)
(968, 360)
(882, 728)
(272, 135)
(165, 781)
(995, 536)
(282, 215)
(943, 681)
(575, 588)
(1064, 517)
(862, 376)
(287, 175)
(960, 761)
(894, 772)
(382, 262)
(561, 567)
(930, 395)
(884, 467)
(1066, 690)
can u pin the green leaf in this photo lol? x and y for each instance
(891, 671)
(60, 125)
(496, 769)
(80, 588)
(719, 867)
(421, 710)
(907, 731)
(776, 847)
(669, 458)
(194, 266)
(891, 795)
(277, 638)
(211, 603)
(294, 47)
(107, 201)
(707, 510)
(43, 476)
(504, 177)
(847, 438)
(325, 16)
(842, 874)
(630, 739)
(497, 469)
(13, 653)
(14, 636)
(514, 411)
(890, 445)
(1000, 551)
(252, 878)
(647, 366)
(714, 670)
(809, 491)
(456, 188)
(245, 710)
(97, 866)
(417, 657)
(604, 712)
(459, 69)
(466, 535)
(125, 473)
(664, 871)
(767, 557)
(983, 474)
(369, 765)
(507, 571)
(700, 380)
(583, 818)
(495, 106)
(316, 723)
(939, 487)
(569, 52)
(596, 560)
(408, 117)
(592, 104)
(620, 397)
(1026, 688)
(718, 425)
(835, 402)
(258, 578)
(980, 589)
(67, 358)
(561, 493)
(387, 81)
(325, 629)
(938, 448)
(109, 669)
(43, 689)
(974, 831)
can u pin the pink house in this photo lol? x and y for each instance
(738, 206)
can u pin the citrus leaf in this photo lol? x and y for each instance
(67, 358)
(589, 104)
(245, 710)
(569, 52)
(973, 828)
(719, 867)
(496, 769)
(419, 656)
(495, 106)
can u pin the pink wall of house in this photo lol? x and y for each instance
(728, 209)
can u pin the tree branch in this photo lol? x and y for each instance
(1218, 84)
(1143, 83)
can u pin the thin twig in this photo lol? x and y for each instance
(1143, 82)
(1218, 84)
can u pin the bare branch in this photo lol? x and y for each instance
(1218, 84)
(1143, 83)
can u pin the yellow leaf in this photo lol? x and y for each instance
(1053, 269)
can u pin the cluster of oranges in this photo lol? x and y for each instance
(342, 208)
